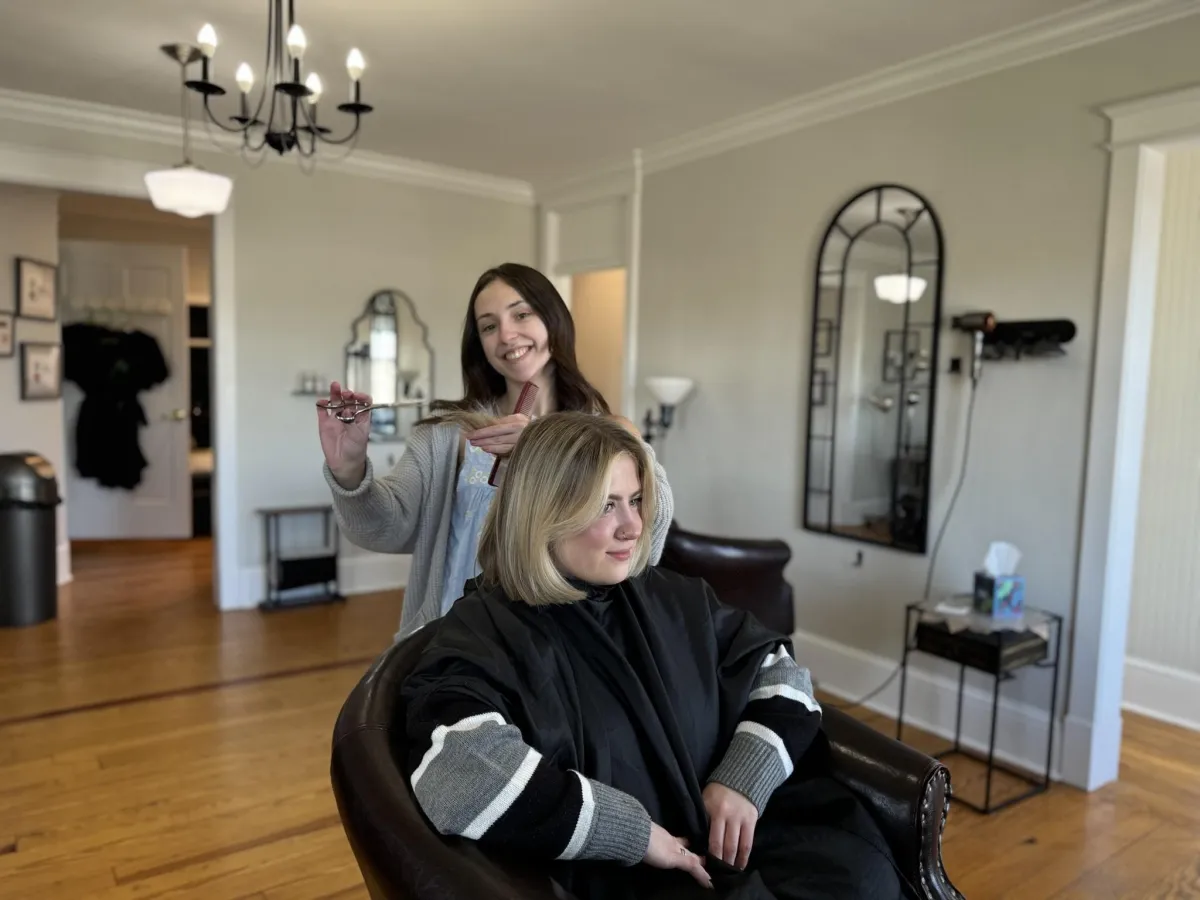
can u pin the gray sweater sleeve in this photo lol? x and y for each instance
(477, 778)
(665, 511)
(383, 514)
(777, 727)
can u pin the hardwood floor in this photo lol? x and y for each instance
(152, 748)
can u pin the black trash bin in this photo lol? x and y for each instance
(28, 538)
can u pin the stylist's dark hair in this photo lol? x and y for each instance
(484, 384)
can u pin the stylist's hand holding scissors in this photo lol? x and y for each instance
(345, 443)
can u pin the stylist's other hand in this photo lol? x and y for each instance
(732, 818)
(345, 443)
(501, 436)
(669, 852)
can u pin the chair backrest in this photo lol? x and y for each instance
(745, 573)
(400, 854)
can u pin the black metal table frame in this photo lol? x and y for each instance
(272, 557)
(1036, 786)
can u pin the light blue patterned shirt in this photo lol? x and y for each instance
(472, 497)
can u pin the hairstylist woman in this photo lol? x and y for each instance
(433, 504)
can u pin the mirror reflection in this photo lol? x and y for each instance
(874, 354)
(390, 358)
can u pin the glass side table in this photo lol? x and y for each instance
(950, 630)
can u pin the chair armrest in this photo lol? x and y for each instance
(907, 792)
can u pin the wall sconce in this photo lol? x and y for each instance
(669, 391)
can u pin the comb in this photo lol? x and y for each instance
(525, 402)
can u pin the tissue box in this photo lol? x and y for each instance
(1001, 596)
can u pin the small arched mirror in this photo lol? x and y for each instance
(872, 370)
(389, 357)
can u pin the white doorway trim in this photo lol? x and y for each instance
(1139, 133)
(66, 171)
(623, 183)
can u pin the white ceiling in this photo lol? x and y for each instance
(534, 89)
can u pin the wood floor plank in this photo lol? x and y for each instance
(152, 748)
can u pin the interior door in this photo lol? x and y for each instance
(133, 287)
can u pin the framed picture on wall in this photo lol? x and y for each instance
(37, 289)
(6, 335)
(41, 371)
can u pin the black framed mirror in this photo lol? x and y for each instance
(877, 307)
(390, 358)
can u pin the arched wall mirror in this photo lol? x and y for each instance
(389, 357)
(872, 370)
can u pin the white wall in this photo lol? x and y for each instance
(1014, 165)
(1163, 669)
(29, 227)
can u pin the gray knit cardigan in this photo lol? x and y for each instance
(409, 511)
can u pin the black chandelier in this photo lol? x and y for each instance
(285, 116)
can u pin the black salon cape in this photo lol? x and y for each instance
(111, 368)
(640, 686)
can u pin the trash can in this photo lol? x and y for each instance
(28, 539)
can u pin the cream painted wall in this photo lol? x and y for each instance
(1164, 620)
(29, 227)
(1015, 166)
(310, 250)
(598, 308)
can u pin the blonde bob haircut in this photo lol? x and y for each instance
(555, 486)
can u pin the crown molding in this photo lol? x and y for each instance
(19, 107)
(1092, 23)
(1161, 118)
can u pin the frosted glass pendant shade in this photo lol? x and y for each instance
(188, 191)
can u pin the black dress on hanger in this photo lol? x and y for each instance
(112, 368)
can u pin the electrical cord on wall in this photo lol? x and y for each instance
(937, 543)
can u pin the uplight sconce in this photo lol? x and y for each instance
(669, 391)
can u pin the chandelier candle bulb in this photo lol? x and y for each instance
(313, 83)
(355, 64)
(297, 43)
(207, 39)
(244, 77)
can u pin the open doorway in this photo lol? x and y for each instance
(136, 288)
(1162, 664)
(598, 305)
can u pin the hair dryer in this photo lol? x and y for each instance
(976, 324)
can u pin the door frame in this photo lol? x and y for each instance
(623, 183)
(94, 173)
(1140, 133)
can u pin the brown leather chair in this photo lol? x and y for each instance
(403, 858)
(745, 573)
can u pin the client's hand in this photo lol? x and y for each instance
(732, 818)
(669, 852)
(501, 436)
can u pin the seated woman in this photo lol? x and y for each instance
(604, 720)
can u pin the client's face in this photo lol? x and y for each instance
(602, 553)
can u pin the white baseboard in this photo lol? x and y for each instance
(63, 563)
(930, 700)
(359, 574)
(1161, 692)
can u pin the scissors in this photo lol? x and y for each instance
(348, 412)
